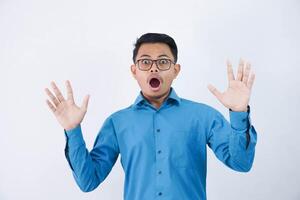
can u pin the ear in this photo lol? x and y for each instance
(177, 68)
(133, 70)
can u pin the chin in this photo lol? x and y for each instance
(156, 94)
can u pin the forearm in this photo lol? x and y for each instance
(243, 140)
(233, 143)
(242, 150)
(80, 161)
(91, 168)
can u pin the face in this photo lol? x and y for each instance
(155, 83)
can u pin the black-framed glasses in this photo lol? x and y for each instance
(162, 64)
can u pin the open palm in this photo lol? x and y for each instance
(238, 93)
(67, 113)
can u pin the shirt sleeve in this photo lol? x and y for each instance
(233, 143)
(91, 168)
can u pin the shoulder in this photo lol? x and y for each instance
(121, 113)
(200, 110)
(198, 106)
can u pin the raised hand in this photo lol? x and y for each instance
(67, 113)
(237, 95)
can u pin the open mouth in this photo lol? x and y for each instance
(154, 82)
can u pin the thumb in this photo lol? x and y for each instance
(85, 102)
(214, 91)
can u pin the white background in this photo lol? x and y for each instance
(91, 43)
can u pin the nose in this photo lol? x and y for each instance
(154, 68)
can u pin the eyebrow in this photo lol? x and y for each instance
(163, 55)
(145, 55)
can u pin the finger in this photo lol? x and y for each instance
(251, 81)
(240, 70)
(52, 97)
(57, 92)
(214, 91)
(230, 71)
(69, 91)
(51, 106)
(246, 73)
(85, 103)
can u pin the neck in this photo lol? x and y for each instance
(157, 101)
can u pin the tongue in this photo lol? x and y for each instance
(154, 82)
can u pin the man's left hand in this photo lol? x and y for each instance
(237, 95)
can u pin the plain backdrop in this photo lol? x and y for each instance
(91, 42)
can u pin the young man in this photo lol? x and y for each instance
(161, 137)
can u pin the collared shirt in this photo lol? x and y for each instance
(163, 151)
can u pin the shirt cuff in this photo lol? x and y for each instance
(240, 120)
(74, 137)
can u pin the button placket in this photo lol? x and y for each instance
(159, 154)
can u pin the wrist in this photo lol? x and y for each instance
(71, 127)
(240, 109)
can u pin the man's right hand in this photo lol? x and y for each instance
(67, 113)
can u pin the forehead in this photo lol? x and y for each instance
(154, 50)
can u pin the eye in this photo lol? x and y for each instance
(146, 61)
(164, 61)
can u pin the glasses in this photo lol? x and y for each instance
(162, 64)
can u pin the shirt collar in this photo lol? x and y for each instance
(173, 97)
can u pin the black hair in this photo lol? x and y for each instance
(155, 38)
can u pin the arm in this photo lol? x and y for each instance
(233, 143)
(91, 168)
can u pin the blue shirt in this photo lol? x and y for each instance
(163, 151)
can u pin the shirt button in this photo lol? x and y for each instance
(160, 194)
(159, 172)
(159, 151)
(158, 130)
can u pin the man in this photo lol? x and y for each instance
(161, 137)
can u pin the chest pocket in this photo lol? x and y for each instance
(184, 149)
